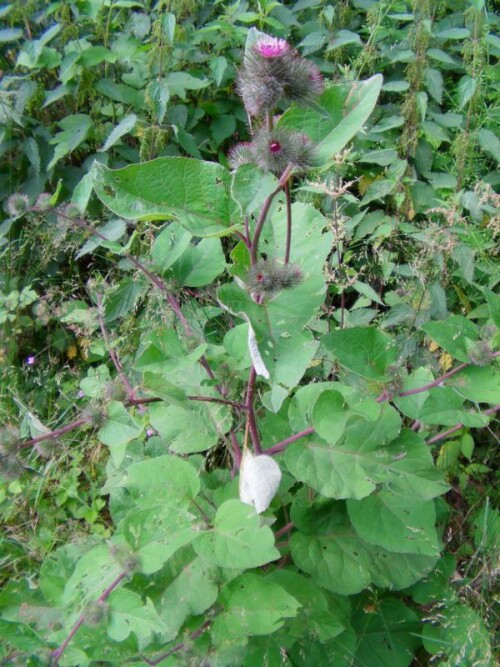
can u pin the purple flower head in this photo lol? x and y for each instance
(271, 47)
(31, 360)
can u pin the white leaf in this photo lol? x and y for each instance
(253, 348)
(260, 477)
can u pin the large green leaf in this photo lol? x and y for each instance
(129, 614)
(330, 415)
(188, 429)
(327, 547)
(162, 480)
(251, 186)
(320, 617)
(478, 384)
(313, 241)
(192, 191)
(237, 539)
(445, 407)
(347, 107)
(252, 606)
(155, 534)
(118, 429)
(387, 634)
(354, 465)
(198, 265)
(364, 350)
(164, 517)
(396, 523)
(192, 592)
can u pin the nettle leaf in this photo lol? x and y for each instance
(252, 606)
(365, 351)
(130, 615)
(125, 126)
(396, 523)
(260, 477)
(237, 539)
(347, 108)
(387, 634)
(194, 192)
(456, 335)
(354, 465)
(75, 129)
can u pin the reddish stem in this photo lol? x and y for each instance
(457, 427)
(385, 395)
(264, 211)
(276, 449)
(288, 197)
(56, 655)
(282, 531)
(178, 647)
(114, 357)
(55, 434)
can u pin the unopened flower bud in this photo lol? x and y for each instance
(268, 277)
(17, 205)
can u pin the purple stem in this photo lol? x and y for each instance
(178, 647)
(284, 530)
(276, 449)
(385, 395)
(263, 214)
(114, 357)
(457, 427)
(55, 434)
(288, 197)
(56, 655)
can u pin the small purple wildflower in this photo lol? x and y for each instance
(31, 360)
(80, 394)
(272, 47)
(150, 432)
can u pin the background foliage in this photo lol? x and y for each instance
(381, 545)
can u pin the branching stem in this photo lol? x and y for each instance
(56, 655)
(178, 647)
(264, 211)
